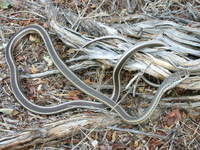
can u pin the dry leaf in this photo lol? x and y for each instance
(172, 116)
(33, 70)
(40, 81)
(71, 51)
(136, 143)
(9, 111)
(45, 25)
(155, 142)
(32, 89)
(114, 135)
(39, 87)
(109, 135)
(87, 81)
(177, 114)
(48, 60)
(170, 121)
(41, 92)
(19, 58)
(195, 115)
(34, 39)
(95, 143)
(118, 146)
(73, 94)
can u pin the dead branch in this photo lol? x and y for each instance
(60, 129)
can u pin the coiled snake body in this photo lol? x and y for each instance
(168, 83)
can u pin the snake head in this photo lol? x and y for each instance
(177, 77)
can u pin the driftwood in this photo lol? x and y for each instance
(49, 132)
(107, 52)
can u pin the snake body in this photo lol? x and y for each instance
(168, 83)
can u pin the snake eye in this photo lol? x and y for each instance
(182, 76)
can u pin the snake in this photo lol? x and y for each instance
(110, 102)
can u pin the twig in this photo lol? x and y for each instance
(129, 7)
(101, 76)
(13, 18)
(80, 15)
(180, 105)
(139, 132)
(46, 4)
(40, 75)
(97, 8)
(182, 98)
(30, 12)
(104, 38)
(85, 64)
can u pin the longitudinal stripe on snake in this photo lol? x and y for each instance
(168, 83)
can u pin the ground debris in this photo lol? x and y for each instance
(90, 36)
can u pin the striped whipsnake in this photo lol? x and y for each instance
(168, 83)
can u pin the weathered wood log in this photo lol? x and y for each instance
(54, 130)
